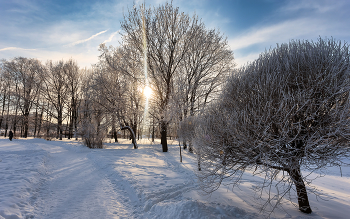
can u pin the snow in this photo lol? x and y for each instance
(64, 179)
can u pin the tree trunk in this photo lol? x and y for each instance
(3, 109)
(59, 124)
(40, 120)
(303, 200)
(26, 123)
(132, 134)
(114, 130)
(36, 120)
(199, 160)
(185, 144)
(115, 135)
(163, 133)
(190, 147)
(65, 132)
(153, 130)
(48, 122)
(22, 126)
(180, 151)
(70, 130)
(134, 126)
(26, 116)
(75, 124)
(16, 112)
(7, 117)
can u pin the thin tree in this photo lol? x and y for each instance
(56, 91)
(74, 76)
(204, 68)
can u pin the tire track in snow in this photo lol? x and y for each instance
(74, 188)
(104, 160)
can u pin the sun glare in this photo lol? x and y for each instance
(147, 92)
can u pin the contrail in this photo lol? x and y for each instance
(90, 38)
(111, 37)
(14, 48)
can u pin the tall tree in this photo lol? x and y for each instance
(56, 91)
(160, 36)
(27, 73)
(111, 85)
(74, 76)
(203, 69)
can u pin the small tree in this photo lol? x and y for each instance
(287, 111)
(92, 126)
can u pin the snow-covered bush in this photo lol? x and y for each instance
(92, 126)
(186, 130)
(93, 137)
(285, 112)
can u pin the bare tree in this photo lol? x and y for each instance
(93, 128)
(286, 112)
(204, 68)
(56, 91)
(160, 36)
(5, 84)
(111, 85)
(74, 78)
(26, 72)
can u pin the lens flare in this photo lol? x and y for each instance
(147, 92)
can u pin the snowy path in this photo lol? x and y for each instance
(74, 188)
(63, 179)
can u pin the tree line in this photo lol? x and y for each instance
(175, 55)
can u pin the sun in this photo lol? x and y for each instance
(147, 92)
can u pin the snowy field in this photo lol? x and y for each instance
(63, 179)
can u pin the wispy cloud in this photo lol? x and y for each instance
(299, 19)
(241, 59)
(320, 6)
(111, 37)
(14, 48)
(281, 32)
(88, 39)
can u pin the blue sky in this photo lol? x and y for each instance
(63, 29)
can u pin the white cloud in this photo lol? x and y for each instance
(85, 40)
(242, 60)
(111, 37)
(14, 48)
(320, 6)
(281, 32)
(307, 20)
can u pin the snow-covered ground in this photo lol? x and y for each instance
(63, 179)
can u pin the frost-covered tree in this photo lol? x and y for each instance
(56, 91)
(122, 87)
(108, 86)
(160, 36)
(286, 112)
(73, 83)
(203, 70)
(5, 85)
(93, 127)
(26, 72)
